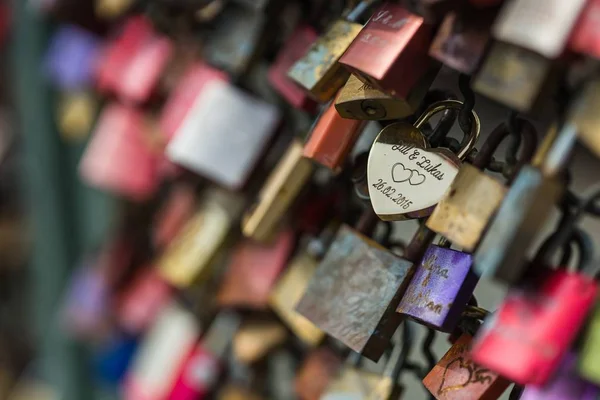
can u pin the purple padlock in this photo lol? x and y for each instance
(71, 58)
(440, 288)
(565, 385)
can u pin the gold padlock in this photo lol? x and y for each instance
(288, 292)
(360, 100)
(277, 195)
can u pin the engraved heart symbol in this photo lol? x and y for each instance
(416, 179)
(465, 374)
(400, 173)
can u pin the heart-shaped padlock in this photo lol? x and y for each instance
(406, 177)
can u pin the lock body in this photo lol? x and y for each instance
(355, 291)
(532, 330)
(318, 72)
(439, 291)
(390, 53)
(199, 146)
(316, 373)
(565, 385)
(296, 47)
(332, 139)
(462, 39)
(513, 76)
(278, 194)
(542, 27)
(456, 376)
(525, 209)
(588, 367)
(253, 271)
(585, 38)
(188, 258)
(289, 291)
(360, 100)
(467, 208)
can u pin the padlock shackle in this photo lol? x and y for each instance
(456, 104)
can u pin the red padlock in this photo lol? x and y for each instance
(390, 53)
(586, 34)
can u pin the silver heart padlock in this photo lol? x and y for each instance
(406, 177)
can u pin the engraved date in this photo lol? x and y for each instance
(391, 194)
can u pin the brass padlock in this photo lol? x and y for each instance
(277, 195)
(360, 100)
(289, 290)
(318, 71)
(188, 257)
(473, 198)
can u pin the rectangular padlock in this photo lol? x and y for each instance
(183, 97)
(515, 77)
(188, 258)
(462, 38)
(456, 376)
(332, 138)
(223, 144)
(440, 289)
(164, 349)
(141, 302)
(390, 52)
(316, 372)
(319, 72)
(281, 189)
(200, 372)
(565, 385)
(588, 367)
(295, 47)
(288, 291)
(355, 291)
(360, 100)
(256, 339)
(535, 326)
(585, 38)
(542, 27)
(71, 58)
(253, 271)
(119, 157)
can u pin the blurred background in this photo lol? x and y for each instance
(83, 313)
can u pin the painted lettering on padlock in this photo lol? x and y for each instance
(404, 178)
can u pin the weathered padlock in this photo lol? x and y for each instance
(462, 38)
(212, 143)
(294, 48)
(524, 210)
(253, 270)
(164, 349)
(585, 36)
(278, 194)
(542, 27)
(391, 51)
(440, 289)
(360, 100)
(200, 372)
(71, 56)
(565, 385)
(288, 291)
(473, 198)
(316, 372)
(354, 382)
(332, 138)
(406, 177)
(355, 291)
(536, 324)
(188, 258)
(588, 367)
(318, 72)
(255, 339)
(515, 77)
(457, 377)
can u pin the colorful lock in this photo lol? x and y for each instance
(440, 289)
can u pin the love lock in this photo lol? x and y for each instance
(406, 177)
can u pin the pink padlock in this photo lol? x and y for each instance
(119, 157)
